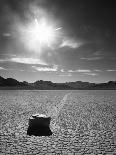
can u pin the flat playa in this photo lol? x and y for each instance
(83, 122)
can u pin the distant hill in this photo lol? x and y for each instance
(80, 84)
(87, 85)
(49, 85)
(11, 83)
(2, 80)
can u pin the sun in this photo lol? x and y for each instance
(42, 33)
(39, 34)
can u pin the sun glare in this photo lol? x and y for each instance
(39, 34)
(42, 33)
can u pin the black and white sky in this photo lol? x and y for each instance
(85, 41)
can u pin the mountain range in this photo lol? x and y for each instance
(11, 83)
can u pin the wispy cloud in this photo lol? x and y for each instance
(91, 74)
(92, 58)
(3, 60)
(70, 43)
(1, 68)
(46, 69)
(28, 61)
(97, 70)
(98, 53)
(24, 60)
(62, 70)
(83, 71)
(80, 70)
(69, 74)
(6, 54)
(6, 34)
(111, 70)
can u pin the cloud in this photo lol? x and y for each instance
(98, 70)
(80, 70)
(2, 60)
(111, 70)
(83, 71)
(46, 69)
(92, 58)
(8, 54)
(92, 74)
(28, 61)
(24, 60)
(62, 70)
(69, 74)
(6, 34)
(1, 68)
(70, 43)
(98, 53)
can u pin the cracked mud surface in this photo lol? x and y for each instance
(83, 123)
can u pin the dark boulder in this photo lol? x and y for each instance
(39, 125)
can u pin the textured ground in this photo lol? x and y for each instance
(82, 123)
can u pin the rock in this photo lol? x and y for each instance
(39, 125)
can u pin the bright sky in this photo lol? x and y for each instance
(58, 40)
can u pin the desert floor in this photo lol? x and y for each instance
(82, 123)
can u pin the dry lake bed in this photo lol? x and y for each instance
(83, 122)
